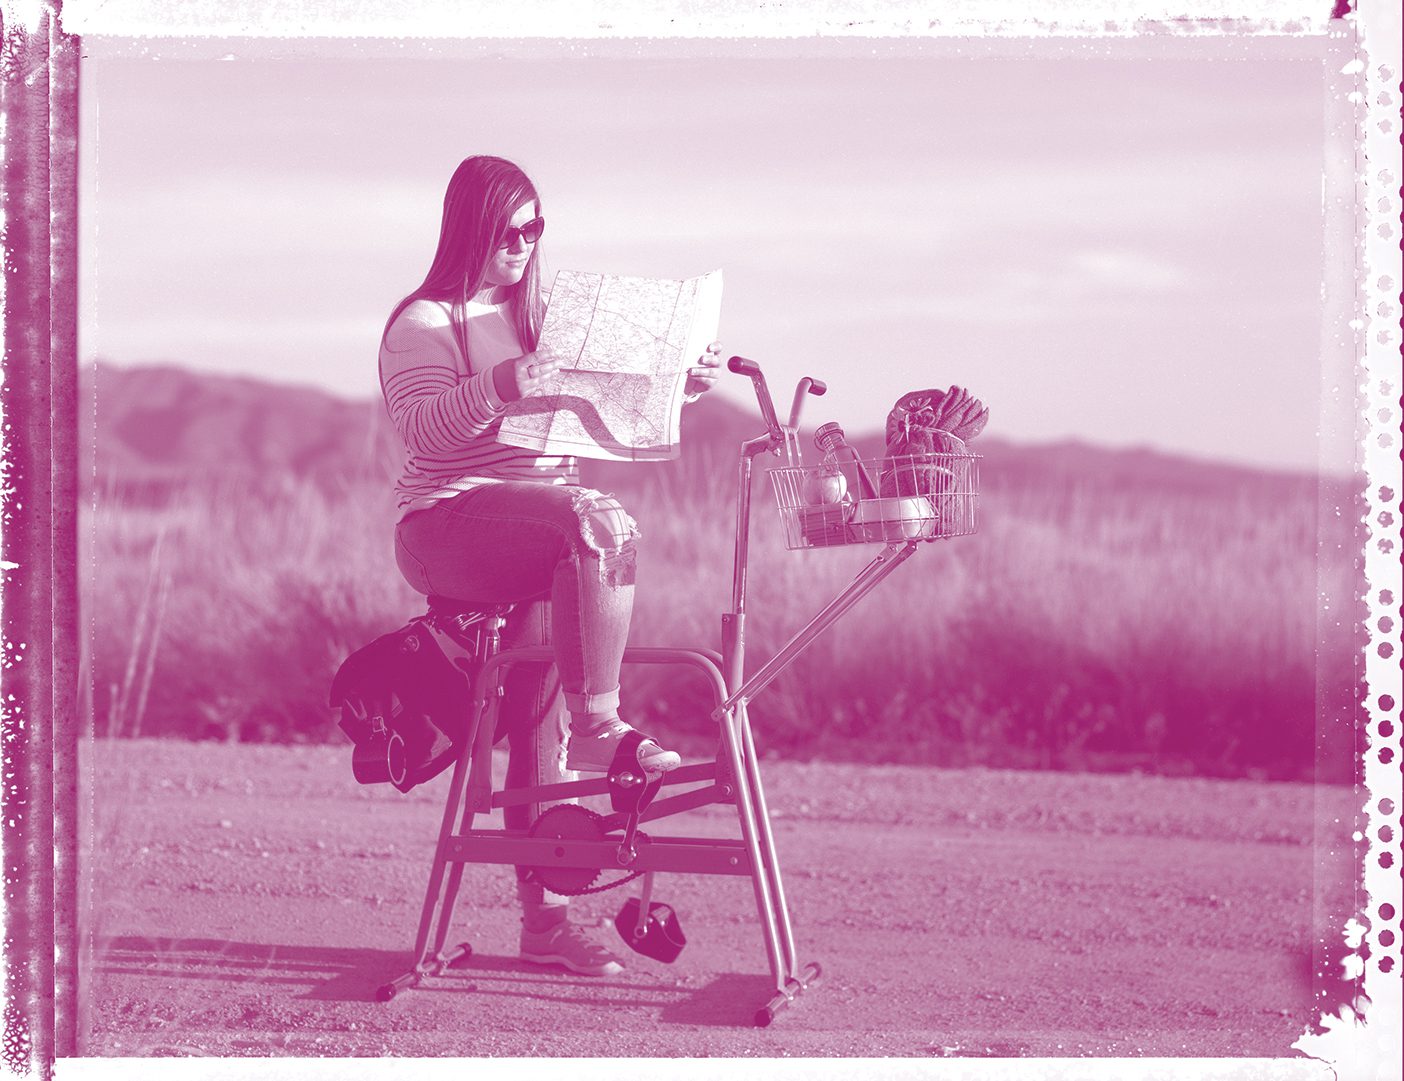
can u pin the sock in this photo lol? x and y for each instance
(584, 724)
(541, 909)
(538, 918)
(590, 710)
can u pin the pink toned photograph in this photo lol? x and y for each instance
(719, 548)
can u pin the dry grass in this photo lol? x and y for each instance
(1079, 628)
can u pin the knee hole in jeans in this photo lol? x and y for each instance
(609, 534)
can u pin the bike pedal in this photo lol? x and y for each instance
(662, 937)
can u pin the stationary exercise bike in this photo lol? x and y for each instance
(569, 846)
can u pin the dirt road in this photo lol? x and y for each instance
(248, 901)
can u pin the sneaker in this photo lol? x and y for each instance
(566, 944)
(594, 752)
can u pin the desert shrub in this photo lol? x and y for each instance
(1080, 628)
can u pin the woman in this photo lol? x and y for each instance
(486, 522)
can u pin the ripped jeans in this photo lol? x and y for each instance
(527, 543)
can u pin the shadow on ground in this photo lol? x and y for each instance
(346, 974)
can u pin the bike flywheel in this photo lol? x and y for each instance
(567, 822)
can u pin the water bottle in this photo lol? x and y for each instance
(826, 484)
(829, 438)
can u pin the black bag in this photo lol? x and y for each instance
(405, 706)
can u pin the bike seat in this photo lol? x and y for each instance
(452, 606)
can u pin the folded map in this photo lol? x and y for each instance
(626, 345)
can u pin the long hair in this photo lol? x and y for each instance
(483, 194)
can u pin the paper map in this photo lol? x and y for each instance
(626, 344)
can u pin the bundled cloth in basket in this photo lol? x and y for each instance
(923, 423)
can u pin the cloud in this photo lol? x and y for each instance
(1122, 271)
(264, 217)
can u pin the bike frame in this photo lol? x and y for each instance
(733, 777)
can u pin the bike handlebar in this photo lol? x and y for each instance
(781, 436)
(742, 366)
(806, 386)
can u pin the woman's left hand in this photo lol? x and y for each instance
(704, 376)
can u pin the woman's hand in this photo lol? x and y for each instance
(520, 376)
(704, 376)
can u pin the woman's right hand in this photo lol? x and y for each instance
(520, 376)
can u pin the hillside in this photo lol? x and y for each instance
(161, 425)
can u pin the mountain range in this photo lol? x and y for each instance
(158, 426)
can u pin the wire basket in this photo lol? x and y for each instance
(878, 500)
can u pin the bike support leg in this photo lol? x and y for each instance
(790, 978)
(763, 863)
(436, 899)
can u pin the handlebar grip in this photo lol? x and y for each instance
(807, 385)
(742, 366)
(818, 387)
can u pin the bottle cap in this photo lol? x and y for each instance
(829, 436)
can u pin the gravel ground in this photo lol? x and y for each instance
(248, 900)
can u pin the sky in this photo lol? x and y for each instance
(1110, 247)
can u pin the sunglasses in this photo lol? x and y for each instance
(530, 232)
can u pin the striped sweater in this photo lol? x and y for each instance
(445, 407)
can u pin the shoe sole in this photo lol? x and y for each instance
(656, 766)
(609, 968)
